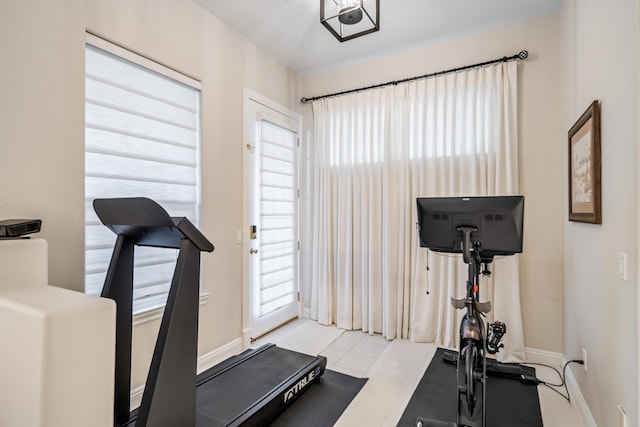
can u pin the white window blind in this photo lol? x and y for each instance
(278, 217)
(142, 139)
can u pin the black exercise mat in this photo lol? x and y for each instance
(510, 403)
(323, 403)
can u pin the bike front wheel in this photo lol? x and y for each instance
(470, 363)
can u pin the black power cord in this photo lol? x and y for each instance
(563, 376)
(564, 379)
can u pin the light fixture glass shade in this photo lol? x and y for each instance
(348, 19)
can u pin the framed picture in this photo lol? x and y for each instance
(584, 167)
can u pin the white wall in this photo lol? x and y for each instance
(541, 146)
(42, 131)
(600, 47)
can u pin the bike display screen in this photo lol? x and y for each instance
(498, 223)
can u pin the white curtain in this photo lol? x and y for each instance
(374, 153)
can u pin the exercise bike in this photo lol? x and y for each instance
(479, 228)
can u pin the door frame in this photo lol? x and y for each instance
(250, 96)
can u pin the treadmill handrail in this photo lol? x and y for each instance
(146, 223)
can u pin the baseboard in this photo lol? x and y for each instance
(533, 355)
(558, 360)
(577, 398)
(205, 362)
(216, 356)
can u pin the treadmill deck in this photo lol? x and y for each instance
(253, 387)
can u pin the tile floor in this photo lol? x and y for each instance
(393, 368)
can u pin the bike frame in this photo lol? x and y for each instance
(471, 366)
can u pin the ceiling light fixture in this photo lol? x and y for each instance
(348, 19)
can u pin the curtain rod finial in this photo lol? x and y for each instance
(523, 54)
(304, 100)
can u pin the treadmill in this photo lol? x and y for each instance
(249, 389)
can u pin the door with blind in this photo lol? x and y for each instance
(271, 238)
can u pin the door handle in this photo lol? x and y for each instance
(253, 251)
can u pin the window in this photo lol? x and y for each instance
(142, 139)
(278, 217)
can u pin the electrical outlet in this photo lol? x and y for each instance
(584, 358)
(622, 265)
(623, 421)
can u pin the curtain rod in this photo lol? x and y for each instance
(523, 54)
